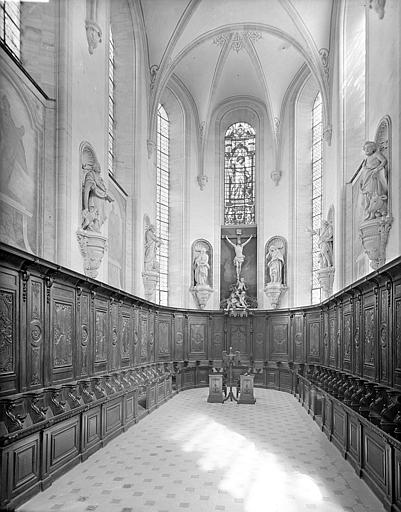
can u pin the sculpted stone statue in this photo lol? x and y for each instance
(325, 235)
(373, 182)
(275, 263)
(152, 242)
(202, 266)
(94, 197)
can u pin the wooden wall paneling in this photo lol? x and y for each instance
(339, 335)
(279, 338)
(10, 353)
(178, 354)
(238, 336)
(332, 334)
(84, 339)
(63, 332)
(164, 335)
(143, 337)
(114, 337)
(112, 417)
(397, 478)
(297, 353)
(217, 343)
(260, 337)
(357, 338)
(21, 468)
(101, 333)
(136, 337)
(91, 434)
(384, 334)
(198, 337)
(36, 335)
(347, 335)
(376, 463)
(354, 454)
(126, 330)
(151, 336)
(313, 329)
(326, 341)
(369, 333)
(340, 427)
(397, 335)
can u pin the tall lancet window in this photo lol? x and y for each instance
(10, 25)
(162, 214)
(317, 171)
(111, 104)
(239, 174)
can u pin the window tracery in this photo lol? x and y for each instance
(10, 33)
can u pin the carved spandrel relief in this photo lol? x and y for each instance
(314, 335)
(62, 335)
(17, 183)
(197, 338)
(36, 334)
(164, 338)
(369, 315)
(100, 336)
(7, 332)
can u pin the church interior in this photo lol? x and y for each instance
(200, 251)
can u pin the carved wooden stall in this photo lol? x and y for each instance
(80, 361)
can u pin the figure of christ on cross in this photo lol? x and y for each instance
(239, 257)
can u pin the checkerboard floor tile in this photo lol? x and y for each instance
(192, 455)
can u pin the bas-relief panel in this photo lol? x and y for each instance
(326, 344)
(259, 344)
(314, 339)
(83, 304)
(297, 329)
(347, 337)
(237, 337)
(144, 337)
(164, 338)
(279, 342)
(151, 337)
(383, 336)
(137, 344)
(100, 335)
(126, 330)
(397, 333)
(7, 332)
(178, 337)
(369, 324)
(197, 339)
(217, 337)
(62, 334)
(35, 334)
(115, 335)
(332, 338)
(357, 335)
(19, 220)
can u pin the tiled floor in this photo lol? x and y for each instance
(192, 455)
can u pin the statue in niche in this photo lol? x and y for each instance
(152, 242)
(239, 256)
(201, 264)
(94, 197)
(275, 263)
(373, 184)
(325, 237)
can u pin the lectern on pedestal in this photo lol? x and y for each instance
(216, 388)
(246, 387)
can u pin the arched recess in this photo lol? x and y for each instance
(251, 111)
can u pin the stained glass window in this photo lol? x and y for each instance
(10, 25)
(111, 104)
(163, 190)
(317, 169)
(239, 174)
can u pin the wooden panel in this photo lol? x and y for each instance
(84, 358)
(313, 337)
(298, 337)
(279, 333)
(112, 416)
(35, 333)
(63, 332)
(101, 334)
(397, 477)
(61, 444)
(259, 338)
(397, 341)
(339, 425)
(374, 457)
(198, 335)
(9, 351)
(217, 337)
(126, 336)
(130, 408)
(354, 440)
(114, 345)
(369, 341)
(91, 428)
(178, 337)
(332, 337)
(347, 329)
(164, 337)
(151, 337)
(143, 336)
(384, 337)
(238, 335)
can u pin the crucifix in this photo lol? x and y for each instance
(229, 361)
(238, 248)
